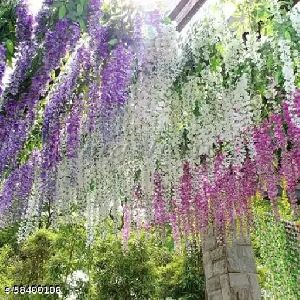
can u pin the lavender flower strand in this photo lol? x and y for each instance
(117, 76)
(25, 46)
(17, 186)
(52, 125)
(24, 23)
(13, 128)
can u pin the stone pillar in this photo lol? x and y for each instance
(230, 270)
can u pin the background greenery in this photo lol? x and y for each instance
(149, 268)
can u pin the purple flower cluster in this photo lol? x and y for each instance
(99, 35)
(73, 127)
(55, 108)
(24, 23)
(201, 199)
(20, 115)
(265, 148)
(116, 77)
(17, 187)
(64, 36)
(41, 20)
(7, 194)
(225, 195)
(290, 162)
(185, 191)
(26, 48)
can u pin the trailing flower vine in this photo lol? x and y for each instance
(181, 131)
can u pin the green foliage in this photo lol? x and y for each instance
(6, 264)
(149, 268)
(7, 25)
(8, 236)
(33, 256)
(72, 9)
(277, 260)
(182, 277)
(123, 275)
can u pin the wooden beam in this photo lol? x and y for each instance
(186, 9)
(179, 7)
(184, 12)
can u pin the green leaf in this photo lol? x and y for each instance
(82, 25)
(167, 21)
(10, 47)
(287, 35)
(53, 75)
(298, 83)
(82, 2)
(79, 9)
(72, 15)
(62, 12)
(113, 42)
(270, 61)
(10, 62)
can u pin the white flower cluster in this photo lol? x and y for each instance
(288, 67)
(147, 115)
(289, 76)
(30, 216)
(76, 277)
(204, 35)
(233, 54)
(76, 281)
(295, 17)
(252, 50)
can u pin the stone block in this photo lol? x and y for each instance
(210, 231)
(216, 295)
(241, 259)
(220, 267)
(208, 269)
(206, 257)
(213, 284)
(242, 294)
(218, 253)
(209, 244)
(238, 281)
(255, 288)
(242, 240)
(233, 260)
(225, 287)
(246, 259)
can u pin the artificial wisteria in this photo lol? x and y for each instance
(168, 131)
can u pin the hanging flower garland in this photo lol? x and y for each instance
(186, 135)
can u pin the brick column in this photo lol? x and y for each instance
(230, 270)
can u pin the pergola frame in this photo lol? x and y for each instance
(185, 11)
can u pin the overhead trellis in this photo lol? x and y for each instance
(184, 11)
(112, 115)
